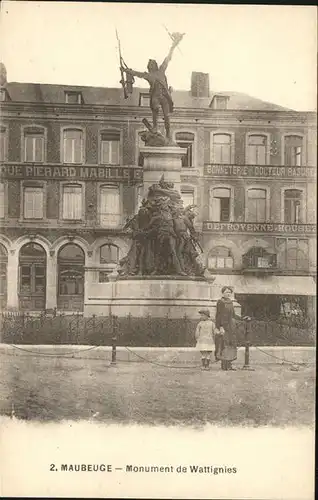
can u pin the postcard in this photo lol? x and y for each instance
(158, 168)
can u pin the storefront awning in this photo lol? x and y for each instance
(268, 285)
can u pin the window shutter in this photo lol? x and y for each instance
(105, 151)
(38, 149)
(109, 206)
(72, 202)
(115, 152)
(215, 209)
(28, 144)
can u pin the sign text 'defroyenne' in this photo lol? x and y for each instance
(252, 227)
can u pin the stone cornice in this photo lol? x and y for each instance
(95, 112)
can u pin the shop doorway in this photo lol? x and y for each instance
(32, 277)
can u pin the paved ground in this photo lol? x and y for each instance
(52, 388)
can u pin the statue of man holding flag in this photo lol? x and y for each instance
(160, 95)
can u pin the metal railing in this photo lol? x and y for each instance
(148, 331)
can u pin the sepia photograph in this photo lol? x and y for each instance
(158, 192)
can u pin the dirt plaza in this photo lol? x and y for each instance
(54, 388)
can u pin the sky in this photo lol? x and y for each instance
(268, 52)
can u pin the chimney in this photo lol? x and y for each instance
(200, 84)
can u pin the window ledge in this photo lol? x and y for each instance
(72, 221)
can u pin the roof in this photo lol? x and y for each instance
(54, 94)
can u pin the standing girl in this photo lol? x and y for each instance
(204, 336)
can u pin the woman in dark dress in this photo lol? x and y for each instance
(225, 340)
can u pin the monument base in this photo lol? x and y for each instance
(158, 296)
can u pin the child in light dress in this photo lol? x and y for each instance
(204, 336)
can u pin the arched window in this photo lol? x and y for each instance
(2, 200)
(293, 212)
(186, 140)
(32, 282)
(220, 258)
(256, 205)
(73, 146)
(33, 138)
(109, 254)
(108, 258)
(3, 276)
(221, 148)
(293, 150)
(72, 201)
(110, 147)
(256, 150)
(109, 206)
(220, 206)
(71, 260)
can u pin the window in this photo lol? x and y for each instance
(219, 102)
(296, 259)
(256, 150)
(256, 205)
(32, 262)
(140, 144)
(220, 207)
(109, 206)
(2, 200)
(109, 254)
(3, 271)
(71, 262)
(109, 147)
(292, 206)
(72, 202)
(220, 258)
(140, 197)
(33, 202)
(186, 140)
(73, 97)
(73, 146)
(293, 253)
(293, 150)
(4, 95)
(259, 258)
(221, 151)
(34, 145)
(144, 100)
(3, 144)
(187, 196)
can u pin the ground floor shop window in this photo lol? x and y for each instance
(290, 308)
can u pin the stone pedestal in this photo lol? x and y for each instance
(158, 161)
(159, 297)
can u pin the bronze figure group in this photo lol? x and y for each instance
(164, 238)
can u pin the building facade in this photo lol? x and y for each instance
(71, 173)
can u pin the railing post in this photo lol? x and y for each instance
(114, 339)
(247, 347)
